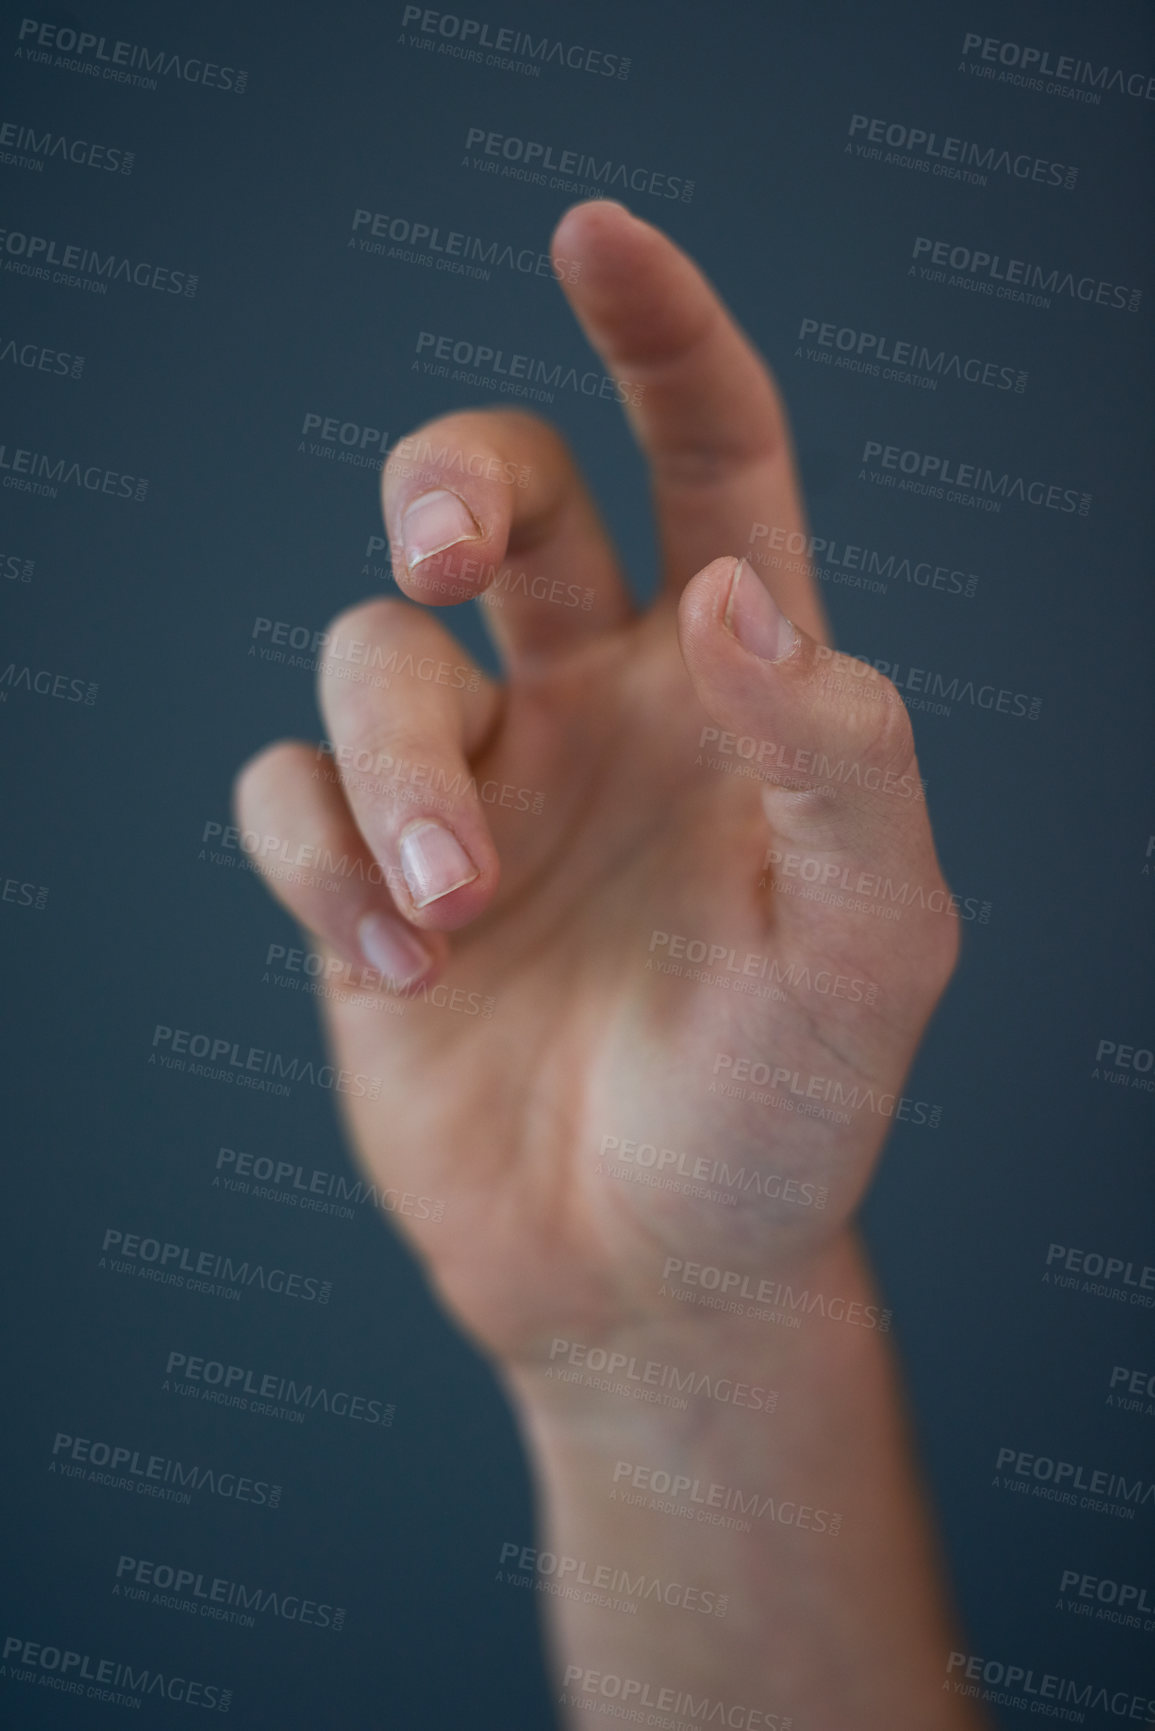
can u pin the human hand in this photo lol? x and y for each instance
(644, 829)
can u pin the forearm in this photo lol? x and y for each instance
(790, 1572)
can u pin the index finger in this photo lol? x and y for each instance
(708, 414)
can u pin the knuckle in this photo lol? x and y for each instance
(942, 946)
(893, 740)
(371, 732)
(878, 722)
(368, 724)
(379, 750)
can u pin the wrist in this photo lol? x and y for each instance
(698, 1359)
(757, 1471)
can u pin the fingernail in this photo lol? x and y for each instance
(435, 522)
(392, 949)
(434, 863)
(753, 617)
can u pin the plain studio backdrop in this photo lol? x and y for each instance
(206, 417)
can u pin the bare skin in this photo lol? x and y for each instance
(614, 722)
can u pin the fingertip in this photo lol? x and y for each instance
(450, 877)
(441, 544)
(702, 604)
(403, 957)
(445, 502)
(265, 771)
(586, 222)
(445, 579)
(744, 657)
(754, 619)
(618, 269)
(434, 521)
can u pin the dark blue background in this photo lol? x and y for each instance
(105, 805)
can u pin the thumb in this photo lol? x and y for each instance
(829, 740)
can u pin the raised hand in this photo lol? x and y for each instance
(701, 778)
(640, 945)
